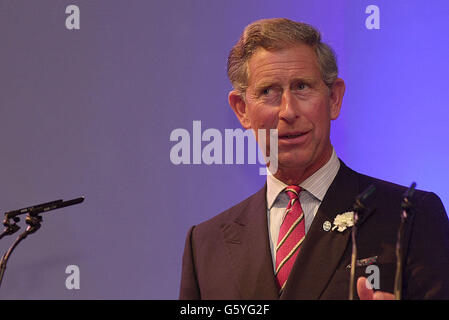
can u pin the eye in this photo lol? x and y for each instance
(269, 93)
(266, 91)
(302, 86)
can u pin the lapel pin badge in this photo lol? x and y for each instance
(327, 226)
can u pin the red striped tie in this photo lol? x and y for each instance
(291, 236)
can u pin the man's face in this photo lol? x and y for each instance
(286, 92)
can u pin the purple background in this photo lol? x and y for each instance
(90, 111)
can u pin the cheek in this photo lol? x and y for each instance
(264, 121)
(321, 117)
(264, 118)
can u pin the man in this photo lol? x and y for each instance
(279, 243)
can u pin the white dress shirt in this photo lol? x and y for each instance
(313, 190)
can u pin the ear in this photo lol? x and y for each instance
(238, 105)
(336, 98)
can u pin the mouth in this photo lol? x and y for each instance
(292, 135)
(293, 138)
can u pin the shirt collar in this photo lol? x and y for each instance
(317, 184)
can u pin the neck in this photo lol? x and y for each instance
(295, 176)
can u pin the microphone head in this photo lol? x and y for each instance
(359, 204)
(406, 203)
(410, 191)
(365, 194)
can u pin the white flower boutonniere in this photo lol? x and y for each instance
(343, 221)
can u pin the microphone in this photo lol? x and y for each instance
(54, 205)
(406, 204)
(13, 213)
(358, 207)
(407, 207)
(33, 211)
(361, 198)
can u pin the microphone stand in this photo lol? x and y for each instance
(34, 223)
(33, 219)
(10, 228)
(353, 256)
(358, 209)
(406, 215)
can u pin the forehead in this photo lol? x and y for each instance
(277, 65)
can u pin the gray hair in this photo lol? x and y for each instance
(276, 34)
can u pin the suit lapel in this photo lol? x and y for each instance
(322, 250)
(247, 242)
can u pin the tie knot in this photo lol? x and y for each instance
(293, 192)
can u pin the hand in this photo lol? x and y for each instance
(365, 291)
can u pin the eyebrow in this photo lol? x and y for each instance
(269, 82)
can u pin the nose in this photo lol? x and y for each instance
(288, 109)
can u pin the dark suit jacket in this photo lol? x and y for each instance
(228, 256)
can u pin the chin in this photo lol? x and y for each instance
(293, 161)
